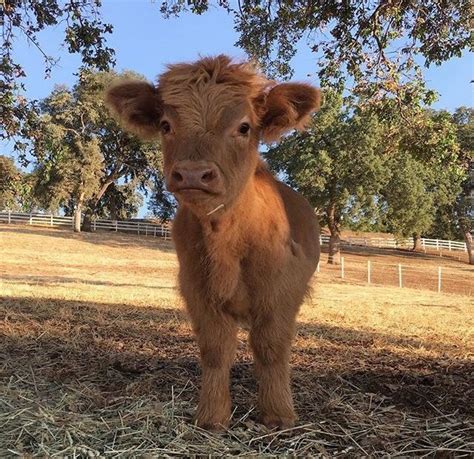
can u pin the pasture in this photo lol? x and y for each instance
(97, 359)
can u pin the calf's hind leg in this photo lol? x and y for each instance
(270, 338)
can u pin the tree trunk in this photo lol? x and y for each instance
(87, 221)
(93, 203)
(416, 243)
(335, 237)
(469, 245)
(78, 214)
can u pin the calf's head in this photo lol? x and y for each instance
(210, 116)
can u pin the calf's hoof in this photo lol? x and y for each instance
(278, 422)
(211, 426)
(215, 422)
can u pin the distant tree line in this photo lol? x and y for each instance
(81, 162)
(380, 160)
(361, 166)
(377, 170)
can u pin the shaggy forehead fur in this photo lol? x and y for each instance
(201, 91)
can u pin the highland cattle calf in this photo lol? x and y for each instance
(247, 244)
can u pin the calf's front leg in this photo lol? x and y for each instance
(217, 339)
(270, 338)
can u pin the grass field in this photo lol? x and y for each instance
(97, 359)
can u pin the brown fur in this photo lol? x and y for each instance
(251, 260)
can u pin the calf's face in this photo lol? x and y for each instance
(210, 116)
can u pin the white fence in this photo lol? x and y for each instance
(137, 227)
(158, 230)
(435, 244)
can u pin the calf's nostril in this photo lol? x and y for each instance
(177, 176)
(208, 176)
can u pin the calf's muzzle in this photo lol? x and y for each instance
(195, 176)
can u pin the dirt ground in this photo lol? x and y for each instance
(97, 358)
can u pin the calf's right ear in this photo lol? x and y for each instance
(137, 106)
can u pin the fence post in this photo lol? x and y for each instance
(368, 272)
(449, 245)
(9, 216)
(138, 230)
(31, 218)
(437, 244)
(342, 267)
(94, 225)
(154, 231)
(116, 225)
(51, 220)
(400, 283)
(439, 279)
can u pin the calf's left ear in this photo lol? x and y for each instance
(288, 106)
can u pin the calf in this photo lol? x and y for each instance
(247, 244)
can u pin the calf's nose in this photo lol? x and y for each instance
(195, 176)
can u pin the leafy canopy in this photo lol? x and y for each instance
(84, 34)
(79, 151)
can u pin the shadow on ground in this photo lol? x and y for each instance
(50, 281)
(117, 349)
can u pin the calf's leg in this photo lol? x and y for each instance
(270, 338)
(217, 339)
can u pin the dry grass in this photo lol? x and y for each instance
(97, 359)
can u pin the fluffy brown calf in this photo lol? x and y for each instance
(247, 244)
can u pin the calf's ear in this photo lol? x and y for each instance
(288, 106)
(137, 106)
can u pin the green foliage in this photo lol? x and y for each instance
(10, 180)
(426, 175)
(15, 187)
(338, 164)
(463, 118)
(79, 151)
(120, 202)
(373, 170)
(161, 203)
(374, 43)
(84, 34)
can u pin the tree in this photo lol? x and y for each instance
(84, 34)
(425, 175)
(10, 184)
(120, 202)
(338, 165)
(161, 203)
(16, 187)
(463, 118)
(374, 42)
(80, 151)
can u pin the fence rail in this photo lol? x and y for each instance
(131, 226)
(392, 243)
(163, 231)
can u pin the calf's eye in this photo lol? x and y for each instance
(244, 128)
(165, 127)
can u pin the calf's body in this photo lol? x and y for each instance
(247, 244)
